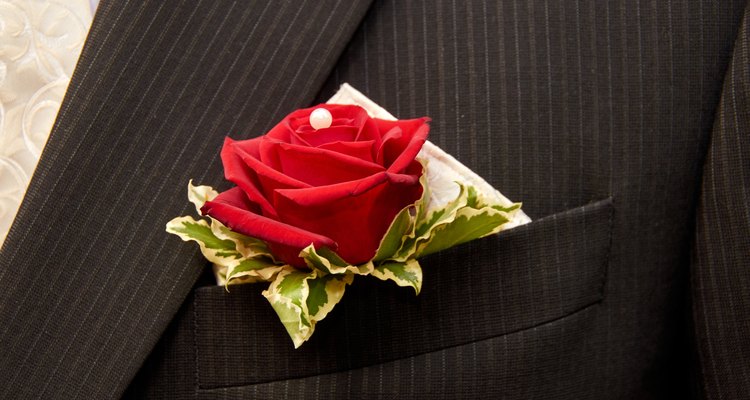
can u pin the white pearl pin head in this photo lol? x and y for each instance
(320, 118)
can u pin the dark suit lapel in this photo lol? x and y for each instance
(719, 273)
(88, 277)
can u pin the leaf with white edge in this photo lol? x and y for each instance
(220, 272)
(469, 224)
(216, 250)
(407, 273)
(290, 315)
(394, 236)
(248, 246)
(315, 261)
(199, 195)
(327, 262)
(252, 270)
(230, 265)
(325, 292)
(287, 294)
(443, 215)
(422, 204)
(331, 256)
(478, 200)
(302, 298)
(508, 209)
(427, 221)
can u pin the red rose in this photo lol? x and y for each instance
(338, 187)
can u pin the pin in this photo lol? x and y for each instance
(320, 118)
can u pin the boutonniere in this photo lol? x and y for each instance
(333, 192)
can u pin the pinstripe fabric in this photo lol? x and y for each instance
(475, 370)
(550, 268)
(88, 277)
(720, 273)
(558, 104)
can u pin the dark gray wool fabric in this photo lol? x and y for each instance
(623, 126)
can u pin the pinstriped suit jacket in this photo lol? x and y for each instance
(623, 126)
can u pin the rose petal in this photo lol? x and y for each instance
(234, 209)
(303, 124)
(355, 215)
(390, 146)
(402, 140)
(268, 156)
(268, 178)
(316, 166)
(348, 123)
(234, 197)
(361, 150)
(314, 196)
(236, 171)
(369, 131)
(249, 146)
(410, 152)
(283, 132)
(336, 133)
(415, 168)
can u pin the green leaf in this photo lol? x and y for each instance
(302, 298)
(327, 262)
(237, 258)
(469, 224)
(427, 221)
(394, 236)
(325, 292)
(331, 256)
(199, 231)
(252, 270)
(317, 296)
(407, 273)
(508, 209)
(443, 215)
(220, 272)
(247, 246)
(216, 250)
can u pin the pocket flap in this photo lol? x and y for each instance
(516, 280)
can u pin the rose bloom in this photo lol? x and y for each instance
(338, 187)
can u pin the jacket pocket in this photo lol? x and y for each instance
(521, 278)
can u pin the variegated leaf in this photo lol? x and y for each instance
(445, 215)
(247, 246)
(407, 273)
(219, 251)
(327, 262)
(427, 221)
(394, 237)
(302, 298)
(287, 294)
(324, 293)
(199, 195)
(220, 272)
(250, 270)
(468, 224)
